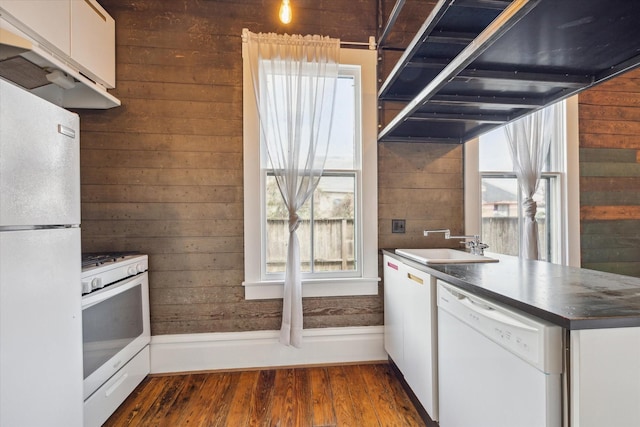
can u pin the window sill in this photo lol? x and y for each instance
(313, 288)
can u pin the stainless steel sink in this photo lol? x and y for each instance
(442, 256)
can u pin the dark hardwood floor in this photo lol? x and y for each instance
(348, 395)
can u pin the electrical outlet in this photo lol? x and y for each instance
(397, 226)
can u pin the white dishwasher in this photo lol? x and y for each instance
(497, 367)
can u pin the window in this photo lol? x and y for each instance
(493, 198)
(338, 229)
(501, 200)
(327, 232)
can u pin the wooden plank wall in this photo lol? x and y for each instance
(162, 174)
(421, 183)
(609, 129)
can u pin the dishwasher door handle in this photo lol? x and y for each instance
(489, 312)
(453, 293)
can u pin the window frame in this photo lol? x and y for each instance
(257, 284)
(565, 197)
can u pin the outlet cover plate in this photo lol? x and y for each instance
(397, 225)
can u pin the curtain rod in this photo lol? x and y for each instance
(371, 43)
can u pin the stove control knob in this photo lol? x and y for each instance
(86, 287)
(131, 271)
(96, 283)
(140, 268)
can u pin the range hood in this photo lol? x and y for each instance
(30, 65)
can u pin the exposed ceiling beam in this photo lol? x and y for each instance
(458, 117)
(564, 80)
(561, 80)
(496, 101)
(485, 4)
(392, 20)
(421, 139)
(450, 37)
(427, 26)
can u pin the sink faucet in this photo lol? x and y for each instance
(475, 245)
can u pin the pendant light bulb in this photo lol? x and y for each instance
(285, 12)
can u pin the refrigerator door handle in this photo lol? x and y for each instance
(67, 131)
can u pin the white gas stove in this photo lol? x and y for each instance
(115, 330)
(103, 269)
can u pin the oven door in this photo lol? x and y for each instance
(115, 327)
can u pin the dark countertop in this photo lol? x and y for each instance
(574, 298)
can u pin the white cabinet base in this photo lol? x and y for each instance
(410, 327)
(420, 339)
(394, 298)
(605, 377)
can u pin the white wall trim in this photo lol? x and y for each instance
(472, 188)
(314, 288)
(261, 349)
(572, 189)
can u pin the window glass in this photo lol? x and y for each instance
(277, 230)
(342, 149)
(327, 228)
(334, 224)
(333, 233)
(501, 211)
(494, 153)
(500, 214)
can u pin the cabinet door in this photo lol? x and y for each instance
(605, 377)
(93, 41)
(420, 346)
(47, 21)
(394, 298)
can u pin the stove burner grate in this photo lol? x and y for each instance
(90, 259)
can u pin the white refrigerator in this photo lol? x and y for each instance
(40, 296)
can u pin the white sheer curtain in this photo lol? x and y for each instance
(528, 140)
(295, 79)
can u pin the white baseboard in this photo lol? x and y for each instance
(261, 349)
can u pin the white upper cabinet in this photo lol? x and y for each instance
(93, 39)
(79, 32)
(51, 19)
